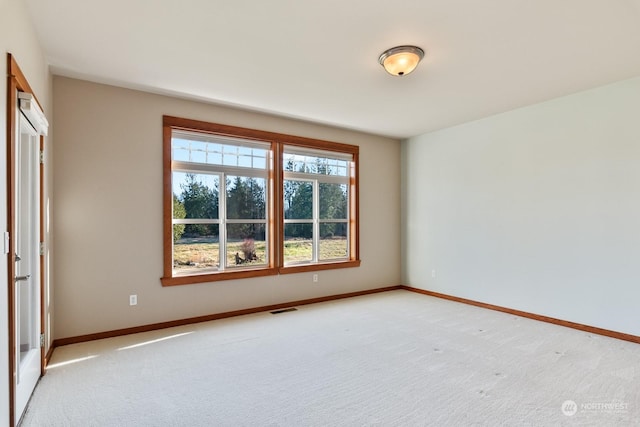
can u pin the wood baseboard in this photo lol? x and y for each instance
(163, 325)
(566, 323)
(47, 356)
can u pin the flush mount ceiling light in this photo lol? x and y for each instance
(401, 60)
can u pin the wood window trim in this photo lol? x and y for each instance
(329, 265)
(354, 229)
(275, 205)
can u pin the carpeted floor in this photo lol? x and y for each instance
(390, 359)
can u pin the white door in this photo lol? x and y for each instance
(27, 263)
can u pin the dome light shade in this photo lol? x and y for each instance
(401, 60)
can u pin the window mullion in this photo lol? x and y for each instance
(268, 206)
(348, 227)
(222, 214)
(316, 220)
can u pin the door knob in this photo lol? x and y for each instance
(22, 278)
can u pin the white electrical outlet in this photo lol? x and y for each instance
(315, 278)
(133, 299)
(433, 273)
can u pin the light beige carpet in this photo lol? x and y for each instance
(390, 359)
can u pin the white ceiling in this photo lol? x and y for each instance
(317, 60)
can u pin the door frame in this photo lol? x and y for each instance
(16, 81)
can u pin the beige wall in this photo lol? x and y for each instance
(108, 213)
(18, 37)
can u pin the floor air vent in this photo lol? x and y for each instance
(284, 310)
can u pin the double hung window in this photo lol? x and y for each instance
(316, 206)
(242, 203)
(219, 197)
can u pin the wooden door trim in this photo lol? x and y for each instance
(16, 81)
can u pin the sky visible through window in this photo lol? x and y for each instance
(315, 164)
(218, 153)
(213, 153)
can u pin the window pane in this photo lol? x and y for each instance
(202, 149)
(333, 201)
(197, 194)
(298, 199)
(215, 158)
(246, 244)
(259, 162)
(195, 253)
(244, 161)
(298, 242)
(198, 152)
(180, 149)
(333, 240)
(246, 198)
(320, 165)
